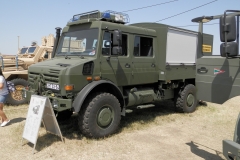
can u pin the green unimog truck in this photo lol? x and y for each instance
(119, 66)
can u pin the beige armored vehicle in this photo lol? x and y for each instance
(15, 67)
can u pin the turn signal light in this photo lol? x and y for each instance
(97, 78)
(89, 78)
(69, 87)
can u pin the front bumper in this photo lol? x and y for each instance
(58, 104)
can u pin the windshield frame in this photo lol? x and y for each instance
(89, 49)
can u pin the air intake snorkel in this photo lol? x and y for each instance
(58, 32)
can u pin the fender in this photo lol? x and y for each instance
(79, 99)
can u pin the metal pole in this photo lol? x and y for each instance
(238, 33)
(18, 43)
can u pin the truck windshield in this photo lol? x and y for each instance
(23, 50)
(82, 42)
(31, 50)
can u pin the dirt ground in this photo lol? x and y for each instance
(156, 133)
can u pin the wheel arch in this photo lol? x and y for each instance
(190, 81)
(97, 86)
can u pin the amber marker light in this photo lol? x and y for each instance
(89, 78)
(97, 78)
(69, 87)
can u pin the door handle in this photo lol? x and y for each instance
(127, 65)
(153, 65)
(202, 70)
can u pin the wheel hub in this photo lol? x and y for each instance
(17, 94)
(105, 117)
(190, 100)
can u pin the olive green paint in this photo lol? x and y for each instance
(148, 74)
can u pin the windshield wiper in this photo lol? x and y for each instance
(81, 57)
(66, 57)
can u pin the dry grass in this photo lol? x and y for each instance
(153, 133)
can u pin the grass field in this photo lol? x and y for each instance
(152, 133)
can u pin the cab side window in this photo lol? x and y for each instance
(124, 45)
(107, 43)
(143, 47)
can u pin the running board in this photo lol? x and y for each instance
(145, 106)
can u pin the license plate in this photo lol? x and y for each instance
(52, 86)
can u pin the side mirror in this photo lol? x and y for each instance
(232, 49)
(117, 38)
(230, 28)
(117, 50)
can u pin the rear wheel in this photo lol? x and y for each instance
(186, 100)
(100, 116)
(15, 98)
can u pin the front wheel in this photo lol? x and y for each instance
(186, 100)
(100, 116)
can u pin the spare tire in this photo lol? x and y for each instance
(15, 98)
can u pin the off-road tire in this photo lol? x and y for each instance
(97, 105)
(11, 100)
(181, 103)
(64, 115)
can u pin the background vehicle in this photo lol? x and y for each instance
(218, 77)
(121, 66)
(15, 67)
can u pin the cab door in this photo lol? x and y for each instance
(115, 68)
(144, 61)
(217, 78)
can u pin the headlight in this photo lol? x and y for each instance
(55, 103)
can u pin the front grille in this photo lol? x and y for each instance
(54, 71)
(52, 76)
(31, 77)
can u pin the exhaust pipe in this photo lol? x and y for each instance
(58, 32)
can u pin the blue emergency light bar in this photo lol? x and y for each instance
(108, 15)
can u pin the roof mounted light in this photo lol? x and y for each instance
(118, 17)
(108, 15)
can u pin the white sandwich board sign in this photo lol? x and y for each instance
(40, 110)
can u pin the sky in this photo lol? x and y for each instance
(24, 21)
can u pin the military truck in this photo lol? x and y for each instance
(15, 67)
(217, 77)
(122, 67)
